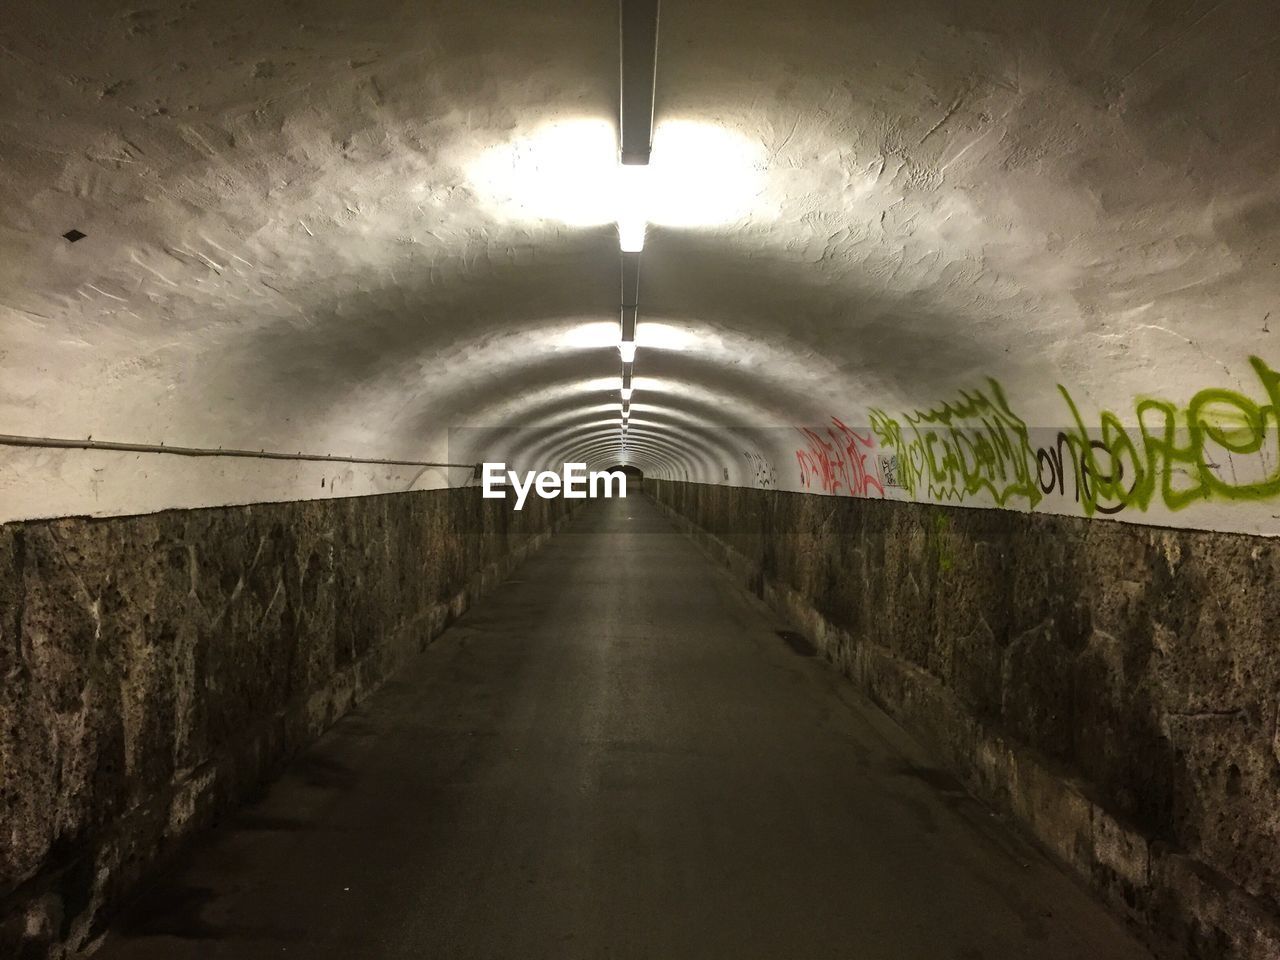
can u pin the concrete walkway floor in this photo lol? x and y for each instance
(615, 755)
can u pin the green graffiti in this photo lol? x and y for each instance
(962, 448)
(1171, 453)
(1222, 445)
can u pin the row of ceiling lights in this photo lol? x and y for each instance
(638, 49)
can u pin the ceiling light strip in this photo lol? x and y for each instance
(638, 63)
(638, 68)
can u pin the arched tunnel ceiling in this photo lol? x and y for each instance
(375, 230)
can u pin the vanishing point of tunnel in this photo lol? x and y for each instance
(636, 479)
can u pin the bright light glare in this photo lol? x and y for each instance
(631, 236)
(702, 175)
(627, 350)
(664, 336)
(587, 336)
(699, 175)
(634, 203)
(563, 172)
(626, 393)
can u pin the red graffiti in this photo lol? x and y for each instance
(837, 463)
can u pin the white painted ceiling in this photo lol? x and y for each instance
(291, 243)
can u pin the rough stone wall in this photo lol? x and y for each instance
(1116, 687)
(158, 669)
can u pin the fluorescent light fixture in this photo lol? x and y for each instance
(631, 235)
(633, 207)
(627, 350)
(627, 318)
(626, 393)
(638, 48)
(630, 286)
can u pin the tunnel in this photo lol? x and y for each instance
(599, 479)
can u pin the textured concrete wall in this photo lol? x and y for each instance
(157, 669)
(1114, 686)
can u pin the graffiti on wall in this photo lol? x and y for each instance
(761, 470)
(1062, 469)
(1221, 445)
(834, 459)
(957, 449)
